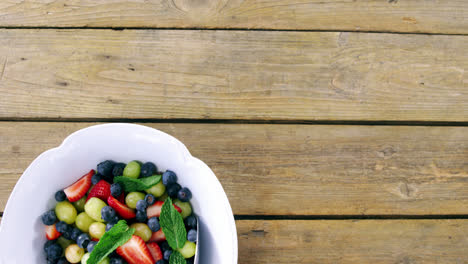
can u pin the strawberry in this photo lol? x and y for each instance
(95, 239)
(51, 232)
(155, 251)
(78, 189)
(155, 209)
(124, 211)
(157, 237)
(121, 198)
(101, 190)
(135, 251)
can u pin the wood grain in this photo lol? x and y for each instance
(450, 16)
(232, 75)
(299, 169)
(366, 241)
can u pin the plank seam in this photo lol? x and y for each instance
(236, 29)
(349, 217)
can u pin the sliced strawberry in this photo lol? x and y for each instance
(155, 209)
(95, 239)
(157, 236)
(78, 189)
(101, 190)
(51, 232)
(135, 251)
(121, 198)
(155, 251)
(124, 211)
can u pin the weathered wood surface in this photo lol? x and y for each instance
(352, 241)
(448, 17)
(232, 75)
(299, 169)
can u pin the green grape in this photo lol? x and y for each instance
(83, 221)
(142, 230)
(63, 242)
(79, 205)
(66, 212)
(132, 170)
(86, 256)
(188, 250)
(186, 208)
(132, 198)
(74, 253)
(93, 208)
(157, 190)
(163, 197)
(97, 230)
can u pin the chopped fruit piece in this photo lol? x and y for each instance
(169, 177)
(148, 169)
(93, 208)
(97, 230)
(192, 235)
(54, 251)
(135, 251)
(173, 189)
(74, 253)
(51, 232)
(75, 233)
(188, 250)
(60, 196)
(49, 218)
(118, 169)
(157, 237)
(91, 245)
(66, 212)
(142, 230)
(132, 198)
(101, 190)
(105, 169)
(157, 190)
(167, 254)
(83, 240)
(79, 205)
(96, 178)
(185, 207)
(108, 214)
(83, 221)
(78, 189)
(155, 251)
(141, 216)
(191, 222)
(120, 208)
(150, 199)
(132, 170)
(63, 242)
(153, 224)
(184, 194)
(116, 189)
(141, 205)
(155, 209)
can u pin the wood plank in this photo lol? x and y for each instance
(366, 241)
(365, 15)
(232, 75)
(299, 169)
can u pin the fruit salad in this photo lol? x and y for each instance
(122, 213)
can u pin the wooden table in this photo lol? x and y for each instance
(339, 129)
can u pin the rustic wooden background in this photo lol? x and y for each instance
(339, 129)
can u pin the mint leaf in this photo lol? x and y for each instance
(177, 258)
(172, 225)
(133, 185)
(118, 235)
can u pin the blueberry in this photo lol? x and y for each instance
(114, 254)
(167, 254)
(141, 216)
(150, 199)
(105, 168)
(96, 178)
(148, 169)
(75, 233)
(153, 224)
(173, 190)
(169, 177)
(116, 260)
(109, 226)
(63, 260)
(60, 196)
(184, 194)
(114, 220)
(91, 245)
(83, 240)
(191, 222)
(54, 251)
(68, 233)
(162, 261)
(49, 217)
(118, 169)
(108, 213)
(47, 244)
(192, 235)
(62, 227)
(141, 205)
(190, 260)
(116, 189)
(164, 246)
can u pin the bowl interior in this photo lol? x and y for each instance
(80, 152)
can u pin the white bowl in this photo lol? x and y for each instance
(22, 232)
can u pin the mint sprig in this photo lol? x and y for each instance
(177, 258)
(172, 225)
(118, 235)
(133, 185)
